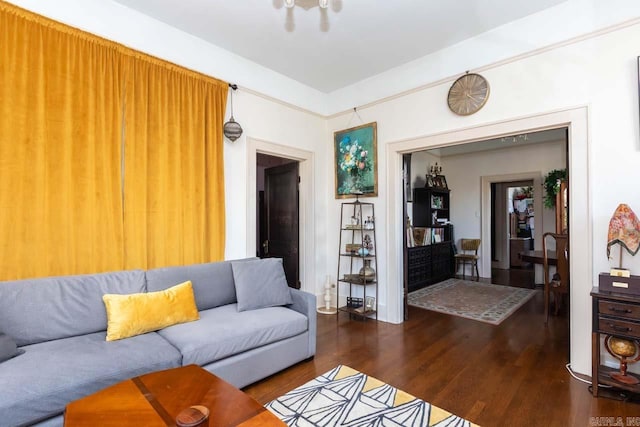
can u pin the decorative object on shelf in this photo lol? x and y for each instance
(323, 4)
(367, 271)
(626, 351)
(327, 309)
(438, 182)
(552, 186)
(352, 248)
(428, 183)
(368, 243)
(420, 236)
(232, 129)
(363, 251)
(369, 223)
(468, 94)
(369, 303)
(356, 161)
(624, 229)
(354, 302)
(435, 170)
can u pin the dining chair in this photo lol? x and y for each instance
(468, 255)
(558, 284)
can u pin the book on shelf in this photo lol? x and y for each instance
(410, 240)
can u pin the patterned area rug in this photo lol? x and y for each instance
(346, 397)
(473, 300)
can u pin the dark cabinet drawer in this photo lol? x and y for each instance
(619, 309)
(611, 326)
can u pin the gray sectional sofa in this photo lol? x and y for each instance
(60, 323)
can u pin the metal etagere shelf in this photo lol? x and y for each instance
(357, 261)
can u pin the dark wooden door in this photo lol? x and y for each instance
(282, 219)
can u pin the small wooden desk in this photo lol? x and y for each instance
(616, 315)
(537, 257)
(156, 399)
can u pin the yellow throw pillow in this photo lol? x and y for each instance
(135, 314)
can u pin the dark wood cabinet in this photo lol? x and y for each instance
(433, 262)
(616, 315)
(429, 264)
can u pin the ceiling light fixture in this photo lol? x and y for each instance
(515, 138)
(291, 3)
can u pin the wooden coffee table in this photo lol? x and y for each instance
(156, 399)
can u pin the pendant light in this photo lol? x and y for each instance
(232, 129)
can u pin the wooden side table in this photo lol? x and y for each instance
(616, 315)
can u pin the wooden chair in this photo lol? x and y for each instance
(468, 255)
(558, 284)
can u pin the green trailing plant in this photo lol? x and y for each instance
(552, 186)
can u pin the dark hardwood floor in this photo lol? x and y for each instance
(508, 375)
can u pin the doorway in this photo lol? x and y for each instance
(278, 213)
(513, 226)
(579, 216)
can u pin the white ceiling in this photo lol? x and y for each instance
(329, 49)
(551, 135)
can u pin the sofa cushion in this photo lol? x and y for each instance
(8, 348)
(49, 375)
(212, 282)
(135, 314)
(260, 283)
(225, 331)
(37, 310)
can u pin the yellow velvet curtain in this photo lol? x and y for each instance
(60, 133)
(109, 158)
(174, 186)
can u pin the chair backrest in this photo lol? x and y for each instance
(562, 257)
(470, 245)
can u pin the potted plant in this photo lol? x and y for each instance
(552, 186)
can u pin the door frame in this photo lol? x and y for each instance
(580, 214)
(306, 204)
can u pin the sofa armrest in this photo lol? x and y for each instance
(305, 303)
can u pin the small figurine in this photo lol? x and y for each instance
(367, 243)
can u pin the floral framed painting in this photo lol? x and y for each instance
(356, 161)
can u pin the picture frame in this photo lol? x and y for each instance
(441, 182)
(429, 181)
(369, 303)
(356, 161)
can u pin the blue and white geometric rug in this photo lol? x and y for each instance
(346, 397)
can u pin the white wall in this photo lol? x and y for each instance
(464, 173)
(599, 72)
(284, 128)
